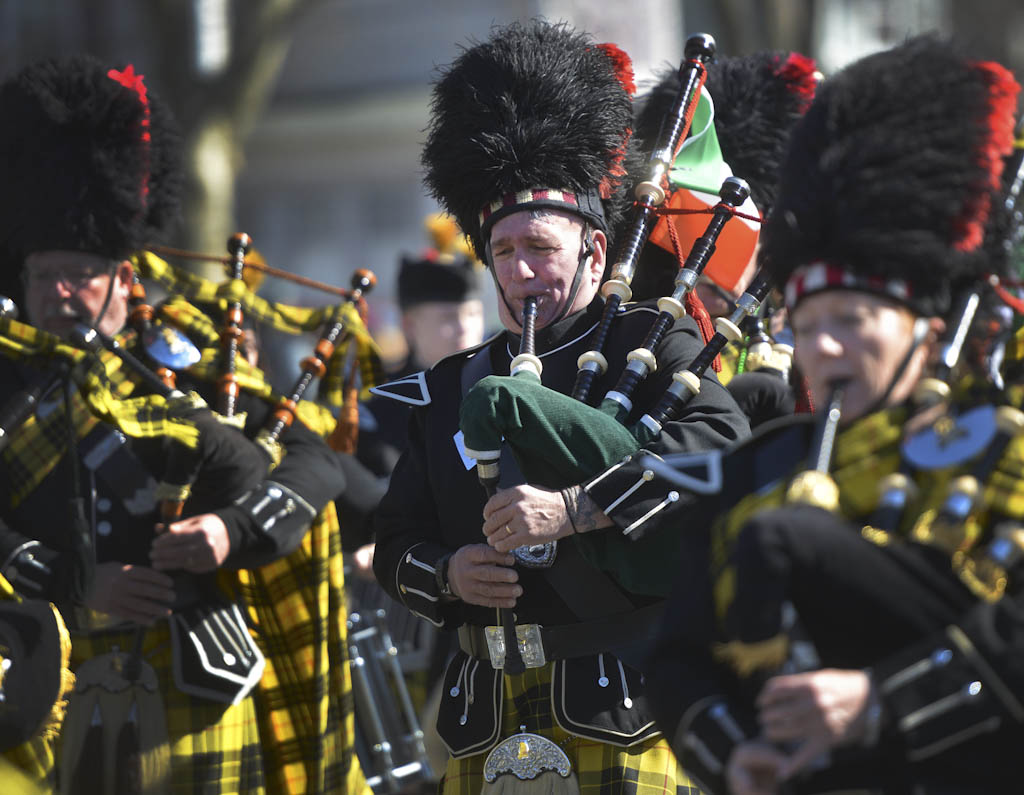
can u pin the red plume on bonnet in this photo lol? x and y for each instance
(892, 176)
(623, 66)
(1002, 101)
(801, 77)
(90, 160)
(130, 80)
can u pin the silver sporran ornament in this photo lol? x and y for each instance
(528, 763)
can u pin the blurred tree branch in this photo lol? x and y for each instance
(218, 111)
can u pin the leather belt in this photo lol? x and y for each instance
(579, 640)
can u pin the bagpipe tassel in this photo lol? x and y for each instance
(87, 775)
(127, 754)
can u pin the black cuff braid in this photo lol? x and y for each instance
(444, 585)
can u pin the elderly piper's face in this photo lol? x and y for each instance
(844, 335)
(63, 288)
(536, 254)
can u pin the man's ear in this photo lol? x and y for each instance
(599, 254)
(123, 275)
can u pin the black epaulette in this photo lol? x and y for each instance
(412, 389)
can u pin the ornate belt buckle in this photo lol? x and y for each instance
(526, 756)
(531, 647)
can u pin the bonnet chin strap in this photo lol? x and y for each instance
(586, 252)
(918, 334)
(94, 322)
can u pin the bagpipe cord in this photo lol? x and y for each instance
(81, 528)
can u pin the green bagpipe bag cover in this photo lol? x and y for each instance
(557, 441)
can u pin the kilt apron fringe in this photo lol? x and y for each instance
(193, 745)
(115, 733)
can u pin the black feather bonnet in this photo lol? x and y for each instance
(538, 115)
(757, 99)
(89, 161)
(891, 178)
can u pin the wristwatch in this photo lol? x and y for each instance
(441, 576)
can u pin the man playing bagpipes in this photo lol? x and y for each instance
(190, 627)
(526, 150)
(857, 624)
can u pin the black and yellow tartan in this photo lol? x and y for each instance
(214, 747)
(304, 700)
(864, 453)
(104, 390)
(303, 704)
(601, 768)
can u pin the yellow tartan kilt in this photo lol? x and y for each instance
(214, 747)
(647, 768)
(304, 700)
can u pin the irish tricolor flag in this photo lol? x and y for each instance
(694, 180)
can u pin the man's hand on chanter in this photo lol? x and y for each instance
(479, 575)
(525, 515)
(198, 544)
(135, 593)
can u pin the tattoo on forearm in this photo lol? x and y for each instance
(584, 515)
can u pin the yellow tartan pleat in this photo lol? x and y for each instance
(304, 700)
(647, 768)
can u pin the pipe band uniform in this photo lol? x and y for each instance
(528, 148)
(165, 536)
(865, 558)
